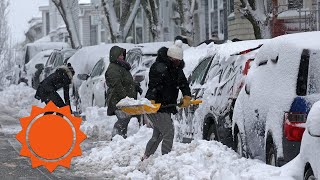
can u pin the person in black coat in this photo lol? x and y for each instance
(47, 89)
(166, 78)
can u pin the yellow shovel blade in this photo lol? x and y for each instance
(141, 109)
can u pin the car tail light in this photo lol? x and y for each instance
(294, 125)
(247, 67)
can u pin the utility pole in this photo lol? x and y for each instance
(318, 11)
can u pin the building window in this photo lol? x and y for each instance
(47, 23)
(295, 4)
(213, 16)
(231, 6)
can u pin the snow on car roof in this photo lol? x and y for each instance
(193, 55)
(152, 48)
(289, 45)
(85, 58)
(229, 48)
(37, 59)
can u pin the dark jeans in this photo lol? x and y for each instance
(56, 99)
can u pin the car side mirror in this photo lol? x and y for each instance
(39, 66)
(48, 69)
(139, 78)
(83, 76)
(313, 128)
(9, 78)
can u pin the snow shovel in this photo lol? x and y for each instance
(147, 109)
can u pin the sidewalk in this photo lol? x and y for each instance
(15, 167)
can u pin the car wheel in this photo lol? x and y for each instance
(271, 154)
(308, 175)
(238, 144)
(212, 133)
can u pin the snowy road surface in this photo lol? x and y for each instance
(120, 158)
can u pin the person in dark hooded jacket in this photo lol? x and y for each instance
(120, 85)
(166, 78)
(47, 89)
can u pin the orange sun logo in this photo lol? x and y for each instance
(50, 140)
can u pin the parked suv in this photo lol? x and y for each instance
(216, 80)
(56, 59)
(271, 109)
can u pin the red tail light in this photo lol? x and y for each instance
(294, 125)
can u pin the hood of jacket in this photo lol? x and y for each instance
(163, 57)
(67, 71)
(115, 52)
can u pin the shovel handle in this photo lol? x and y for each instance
(194, 102)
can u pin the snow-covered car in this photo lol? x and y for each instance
(310, 144)
(280, 89)
(217, 80)
(92, 91)
(56, 59)
(33, 49)
(35, 66)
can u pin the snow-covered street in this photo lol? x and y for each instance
(120, 158)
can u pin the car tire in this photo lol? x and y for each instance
(308, 175)
(238, 143)
(271, 154)
(212, 133)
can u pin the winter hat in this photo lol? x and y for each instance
(175, 51)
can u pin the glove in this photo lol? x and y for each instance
(152, 101)
(185, 101)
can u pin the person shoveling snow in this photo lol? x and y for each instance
(120, 85)
(166, 77)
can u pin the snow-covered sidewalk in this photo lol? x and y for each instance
(120, 158)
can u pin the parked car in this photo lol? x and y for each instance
(92, 91)
(310, 144)
(35, 66)
(216, 80)
(280, 88)
(56, 59)
(31, 50)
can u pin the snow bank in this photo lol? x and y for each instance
(120, 159)
(16, 101)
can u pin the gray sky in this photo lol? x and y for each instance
(20, 12)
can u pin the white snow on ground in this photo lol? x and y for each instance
(120, 158)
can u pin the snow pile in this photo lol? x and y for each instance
(120, 159)
(133, 102)
(16, 101)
